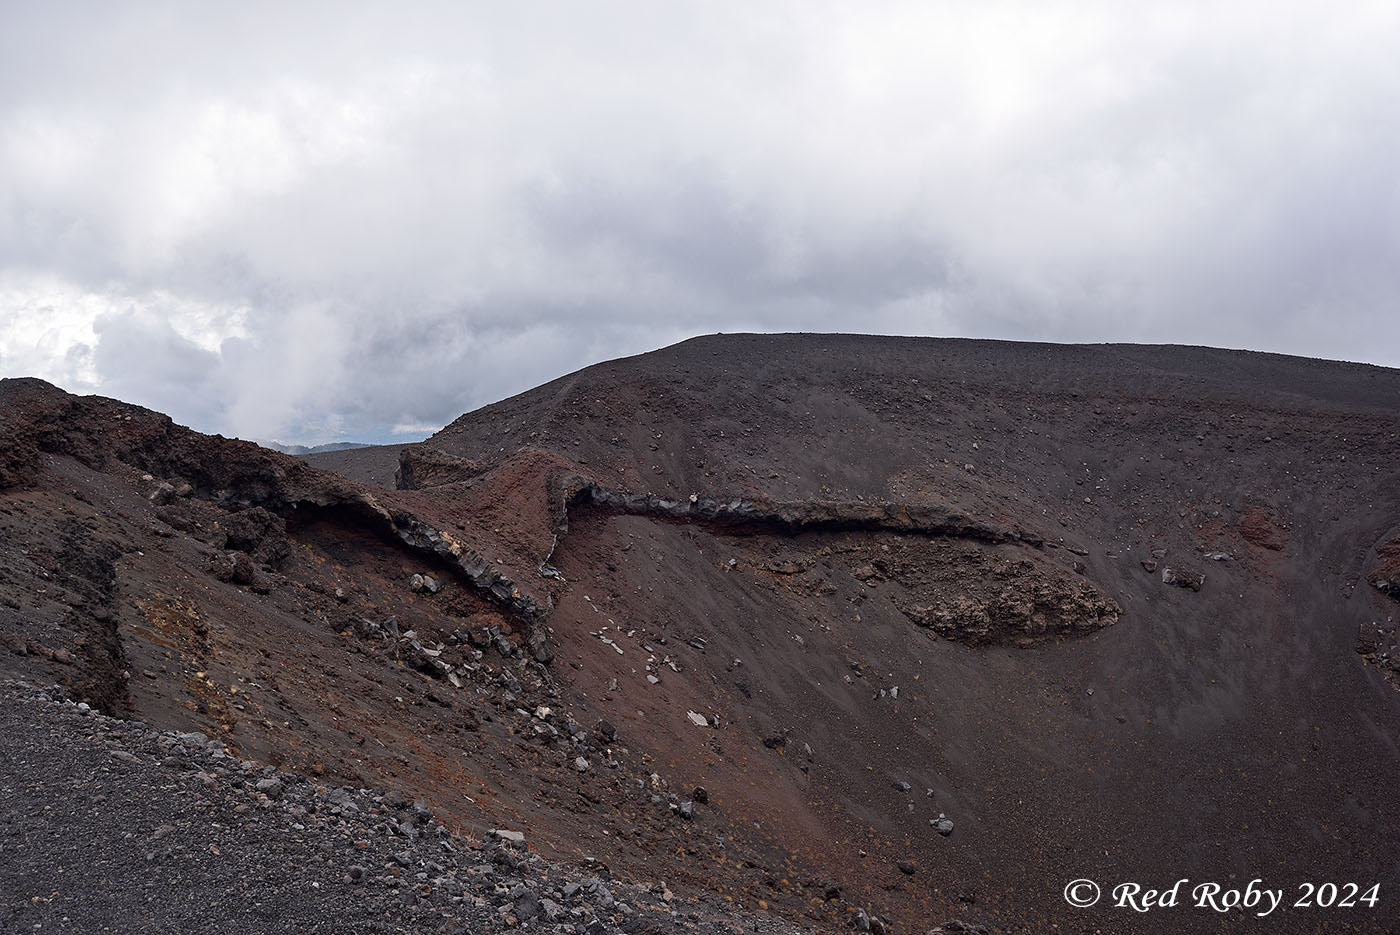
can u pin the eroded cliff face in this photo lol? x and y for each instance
(302, 620)
(953, 579)
(906, 613)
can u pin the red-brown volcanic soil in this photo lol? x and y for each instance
(974, 568)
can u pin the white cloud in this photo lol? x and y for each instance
(416, 429)
(358, 218)
(53, 329)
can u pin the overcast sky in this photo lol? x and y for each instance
(312, 222)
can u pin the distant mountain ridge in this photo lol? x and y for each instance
(313, 449)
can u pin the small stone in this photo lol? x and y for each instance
(906, 868)
(697, 719)
(686, 810)
(1183, 579)
(509, 837)
(272, 788)
(424, 583)
(581, 764)
(903, 786)
(942, 824)
(700, 795)
(527, 906)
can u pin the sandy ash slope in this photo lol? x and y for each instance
(834, 627)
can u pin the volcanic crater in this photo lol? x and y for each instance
(836, 628)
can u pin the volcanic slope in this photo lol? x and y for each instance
(1124, 613)
(1178, 662)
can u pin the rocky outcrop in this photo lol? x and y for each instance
(421, 467)
(1385, 574)
(971, 593)
(104, 434)
(479, 574)
(1018, 616)
(782, 517)
(233, 494)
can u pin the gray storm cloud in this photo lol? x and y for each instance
(355, 221)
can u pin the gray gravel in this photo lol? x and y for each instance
(107, 826)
